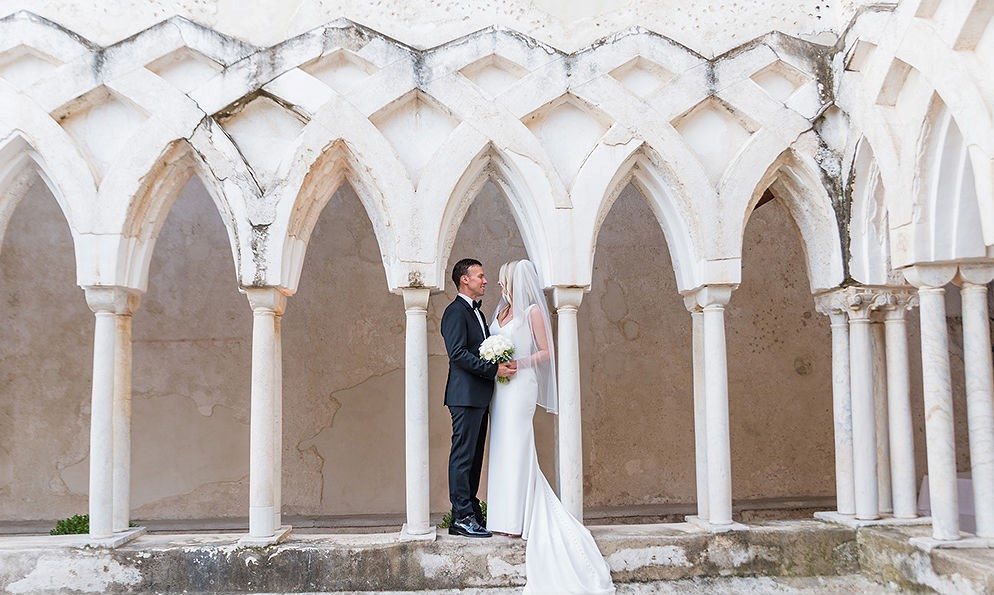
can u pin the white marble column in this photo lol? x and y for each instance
(880, 414)
(122, 411)
(901, 430)
(277, 422)
(105, 302)
(936, 386)
(713, 299)
(416, 412)
(833, 304)
(570, 430)
(267, 303)
(973, 280)
(700, 409)
(864, 433)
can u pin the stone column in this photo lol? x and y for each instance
(904, 487)
(700, 409)
(713, 299)
(267, 303)
(880, 417)
(936, 386)
(570, 431)
(416, 412)
(833, 305)
(105, 302)
(973, 280)
(864, 433)
(122, 411)
(277, 422)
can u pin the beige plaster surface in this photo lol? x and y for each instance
(343, 337)
(46, 350)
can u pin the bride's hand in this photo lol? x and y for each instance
(507, 369)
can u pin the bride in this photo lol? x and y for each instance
(561, 556)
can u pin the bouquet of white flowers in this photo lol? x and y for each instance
(496, 349)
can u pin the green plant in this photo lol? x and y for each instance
(447, 517)
(74, 525)
(77, 524)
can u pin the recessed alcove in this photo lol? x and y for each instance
(192, 351)
(636, 371)
(343, 373)
(46, 351)
(779, 369)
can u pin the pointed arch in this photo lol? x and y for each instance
(149, 197)
(23, 159)
(869, 240)
(72, 182)
(517, 187)
(336, 164)
(796, 181)
(20, 168)
(657, 182)
(947, 224)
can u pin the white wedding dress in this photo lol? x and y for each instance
(561, 555)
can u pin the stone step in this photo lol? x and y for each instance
(796, 556)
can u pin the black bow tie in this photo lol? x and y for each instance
(477, 304)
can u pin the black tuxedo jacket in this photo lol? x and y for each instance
(471, 379)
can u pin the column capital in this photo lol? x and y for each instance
(272, 299)
(690, 302)
(568, 297)
(112, 299)
(975, 274)
(713, 295)
(415, 298)
(897, 301)
(862, 301)
(831, 302)
(930, 276)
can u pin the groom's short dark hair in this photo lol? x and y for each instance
(462, 268)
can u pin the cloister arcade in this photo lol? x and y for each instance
(347, 164)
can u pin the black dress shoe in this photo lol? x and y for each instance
(468, 527)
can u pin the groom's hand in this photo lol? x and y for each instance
(507, 369)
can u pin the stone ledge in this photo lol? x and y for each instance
(277, 537)
(405, 535)
(383, 562)
(888, 555)
(884, 521)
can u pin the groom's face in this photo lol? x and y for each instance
(474, 282)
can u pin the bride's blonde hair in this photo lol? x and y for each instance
(506, 279)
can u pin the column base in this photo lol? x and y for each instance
(118, 539)
(966, 542)
(277, 536)
(848, 520)
(713, 528)
(429, 536)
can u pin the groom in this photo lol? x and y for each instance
(467, 394)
